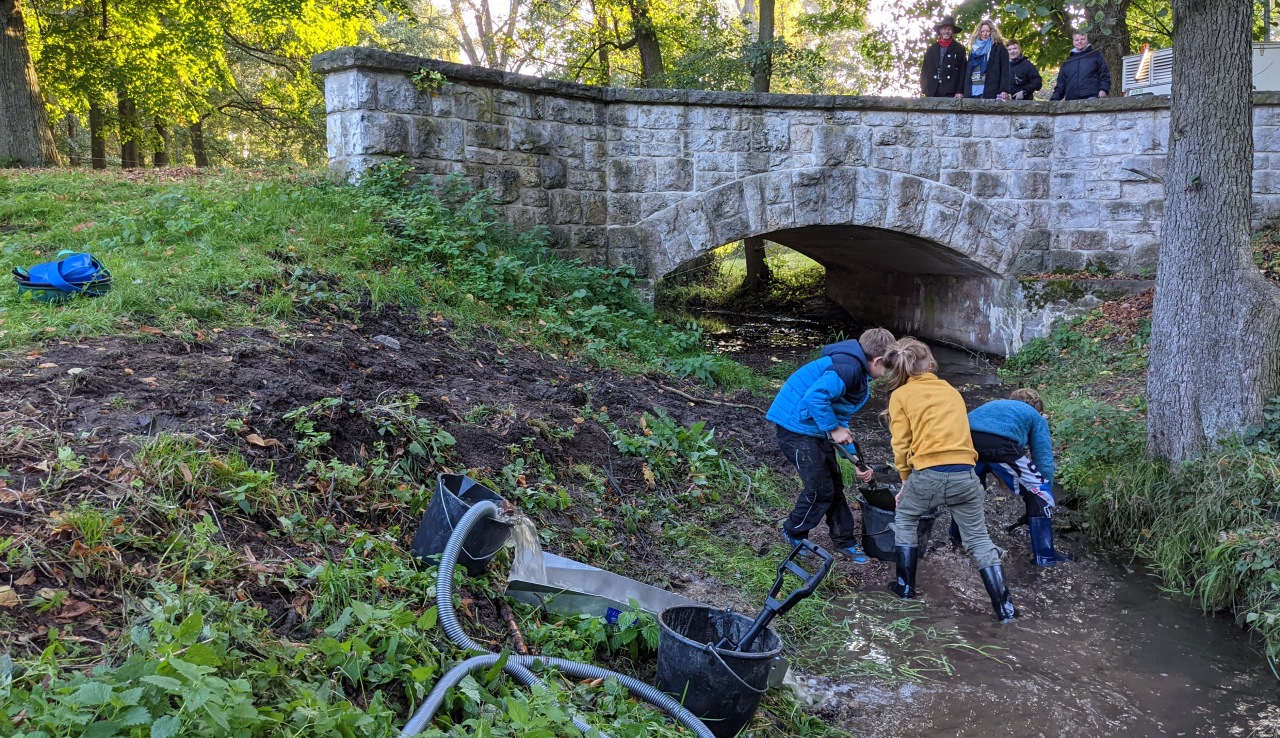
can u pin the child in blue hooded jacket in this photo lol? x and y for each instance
(812, 412)
(1012, 440)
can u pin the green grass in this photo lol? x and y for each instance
(717, 280)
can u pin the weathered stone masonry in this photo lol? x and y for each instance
(925, 212)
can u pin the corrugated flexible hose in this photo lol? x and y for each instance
(518, 666)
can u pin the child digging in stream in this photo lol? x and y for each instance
(934, 454)
(812, 412)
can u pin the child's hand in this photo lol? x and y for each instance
(866, 474)
(842, 436)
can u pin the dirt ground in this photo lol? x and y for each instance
(106, 397)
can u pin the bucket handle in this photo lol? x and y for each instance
(473, 557)
(714, 652)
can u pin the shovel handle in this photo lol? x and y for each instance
(772, 606)
(854, 456)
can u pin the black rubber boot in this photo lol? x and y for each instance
(953, 534)
(905, 587)
(1042, 543)
(1001, 602)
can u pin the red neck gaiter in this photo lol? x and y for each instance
(944, 42)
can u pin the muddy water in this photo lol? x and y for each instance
(1099, 651)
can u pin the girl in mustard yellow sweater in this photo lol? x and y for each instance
(933, 450)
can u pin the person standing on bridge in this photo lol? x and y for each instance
(1026, 80)
(812, 412)
(1084, 74)
(935, 457)
(988, 75)
(945, 61)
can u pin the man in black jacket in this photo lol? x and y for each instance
(1084, 74)
(1026, 78)
(945, 62)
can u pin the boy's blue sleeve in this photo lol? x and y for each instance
(1042, 447)
(818, 398)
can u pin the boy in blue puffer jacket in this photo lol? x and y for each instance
(812, 412)
(1003, 432)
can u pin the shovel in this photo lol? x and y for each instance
(872, 492)
(772, 606)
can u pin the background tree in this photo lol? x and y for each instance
(24, 125)
(753, 248)
(1215, 348)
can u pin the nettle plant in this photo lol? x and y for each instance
(672, 450)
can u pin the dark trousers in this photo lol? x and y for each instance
(1011, 464)
(823, 494)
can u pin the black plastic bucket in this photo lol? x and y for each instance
(721, 687)
(455, 494)
(877, 530)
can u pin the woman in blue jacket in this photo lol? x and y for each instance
(812, 412)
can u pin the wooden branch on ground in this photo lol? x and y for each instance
(517, 638)
(691, 398)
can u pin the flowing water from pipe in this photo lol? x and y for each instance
(527, 564)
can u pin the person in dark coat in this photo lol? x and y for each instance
(1026, 78)
(945, 62)
(1084, 74)
(987, 75)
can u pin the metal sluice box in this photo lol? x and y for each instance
(571, 587)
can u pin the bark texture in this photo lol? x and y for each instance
(198, 150)
(652, 70)
(1216, 321)
(97, 140)
(24, 125)
(758, 275)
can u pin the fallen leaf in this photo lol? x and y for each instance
(46, 593)
(187, 476)
(261, 442)
(127, 370)
(152, 331)
(72, 609)
(47, 365)
(150, 381)
(81, 226)
(9, 598)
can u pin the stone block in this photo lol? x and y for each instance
(594, 155)
(833, 145)
(625, 208)
(1067, 185)
(1073, 214)
(662, 116)
(991, 126)
(892, 158)
(1070, 261)
(842, 190)
(1088, 240)
(779, 217)
(975, 154)
(656, 202)
(1266, 183)
(967, 238)
(1007, 153)
(588, 237)
(595, 208)
(1032, 127)
(582, 179)
(926, 163)
(1033, 213)
(503, 182)
(801, 139)
(808, 195)
(956, 126)
(1030, 185)
(945, 196)
(1071, 146)
(674, 175)
(367, 132)
(696, 142)
(906, 204)
(534, 197)
(1099, 121)
(703, 181)
(1114, 143)
(690, 215)
(1037, 151)
(884, 118)
(552, 173)
(732, 141)
(771, 132)
(960, 180)
(714, 163)
(396, 94)
(482, 157)
(637, 259)
(518, 159)
(350, 89)
(989, 185)
(718, 119)
(868, 210)
(1098, 189)
(777, 188)
(488, 136)
(631, 175)
(939, 222)
(753, 163)
(725, 201)
(1119, 210)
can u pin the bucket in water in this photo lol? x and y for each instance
(455, 494)
(877, 530)
(721, 687)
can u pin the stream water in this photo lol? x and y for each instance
(1099, 651)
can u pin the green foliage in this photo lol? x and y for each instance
(673, 450)
(588, 639)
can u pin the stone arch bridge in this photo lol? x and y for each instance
(924, 212)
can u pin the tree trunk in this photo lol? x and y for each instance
(24, 124)
(160, 157)
(73, 150)
(758, 275)
(97, 143)
(1215, 341)
(1114, 47)
(128, 132)
(651, 68)
(605, 75)
(197, 144)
